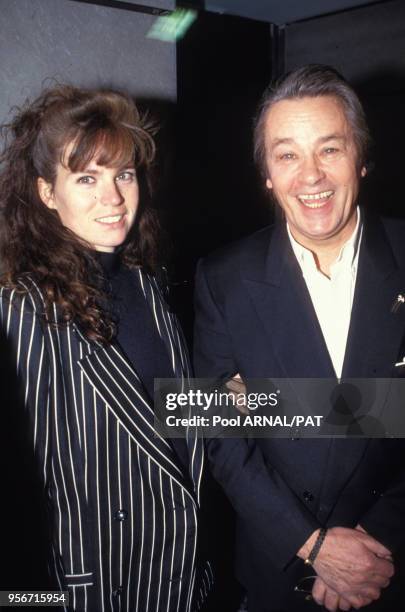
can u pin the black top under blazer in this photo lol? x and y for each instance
(122, 507)
(254, 316)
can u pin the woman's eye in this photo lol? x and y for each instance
(330, 150)
(127, 176)
(85, 180)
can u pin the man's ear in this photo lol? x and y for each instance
(363, 171)
(46, 194)
(269, 184)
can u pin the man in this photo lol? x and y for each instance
(310, 297)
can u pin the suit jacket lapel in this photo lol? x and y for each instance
(282, 300)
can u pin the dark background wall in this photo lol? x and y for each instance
(223, 65)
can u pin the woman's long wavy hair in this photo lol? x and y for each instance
(102, 125)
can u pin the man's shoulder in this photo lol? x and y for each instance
(392, 229)
(248, 251)
(395, 229)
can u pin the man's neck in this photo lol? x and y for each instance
(326, 252)
(325, 256)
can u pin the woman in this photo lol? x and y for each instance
(84, 312)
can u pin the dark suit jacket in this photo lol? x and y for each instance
(254, 316)
(122, 507)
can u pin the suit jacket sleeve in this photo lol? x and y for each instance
(277, 520)
(385, 519)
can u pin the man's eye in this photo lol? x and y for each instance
(127, 177)
(330, 150)
(85, 180)
(287, 156)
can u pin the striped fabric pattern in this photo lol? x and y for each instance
(123, 514)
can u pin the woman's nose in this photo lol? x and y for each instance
(110, 194)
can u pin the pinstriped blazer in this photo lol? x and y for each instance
(122, 507)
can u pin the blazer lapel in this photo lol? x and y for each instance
(166, 324)
(172, 336)
(283, 303)
(118, 385)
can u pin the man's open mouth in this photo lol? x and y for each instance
(315, 200)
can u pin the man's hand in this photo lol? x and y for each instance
(327, 597)
(387, 556)
(332, 601)
(237, 389)
(351, 563)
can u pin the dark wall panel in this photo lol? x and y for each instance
(223, 66)
(359, 42)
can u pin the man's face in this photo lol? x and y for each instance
(312, 169)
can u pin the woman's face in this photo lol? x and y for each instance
(98, 204)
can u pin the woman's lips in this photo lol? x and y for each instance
(112, 221)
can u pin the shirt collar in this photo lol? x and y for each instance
(347, 257)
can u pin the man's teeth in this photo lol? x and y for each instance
(113, 219)
(315, 200)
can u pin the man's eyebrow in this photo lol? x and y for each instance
(288, 141)
(280, 141)
(335, 136)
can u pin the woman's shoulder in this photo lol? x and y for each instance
(24, 292)
(21, 312)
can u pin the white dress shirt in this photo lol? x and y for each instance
(332, 297)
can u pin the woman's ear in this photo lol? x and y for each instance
(46, 194)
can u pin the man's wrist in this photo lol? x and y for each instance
(316, 547)
(306, 548)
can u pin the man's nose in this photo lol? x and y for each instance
(311, 170)
(110, 194)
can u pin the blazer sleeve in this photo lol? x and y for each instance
(385, 519)
(34, 361)
(22, 328)
(270, 510)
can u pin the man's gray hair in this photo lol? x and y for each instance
(312, 81)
